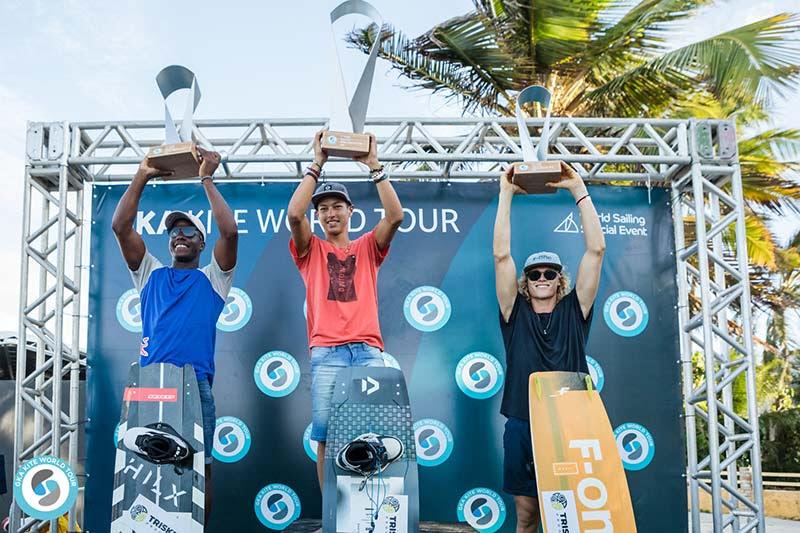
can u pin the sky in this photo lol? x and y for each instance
(96, 60)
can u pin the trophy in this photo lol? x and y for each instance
(179, 154)
(346, 137)
(535, 171)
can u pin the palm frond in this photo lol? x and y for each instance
(768, 160)
(477, 73)
(747, 63)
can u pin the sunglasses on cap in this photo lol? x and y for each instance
(186, 231)
(548, 274)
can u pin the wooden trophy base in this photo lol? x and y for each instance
(180, 158)
(345, 144)
(532, 176)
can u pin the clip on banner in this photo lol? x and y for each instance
(535, 171)
(179, 153)
(346, 136)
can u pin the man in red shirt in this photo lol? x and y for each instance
(341, 278)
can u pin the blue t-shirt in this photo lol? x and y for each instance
(180, 308)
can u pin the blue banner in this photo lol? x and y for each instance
(438, 312)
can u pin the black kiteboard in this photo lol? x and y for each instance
(370, 400)
(162, 400)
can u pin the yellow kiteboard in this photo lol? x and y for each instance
(579, 473)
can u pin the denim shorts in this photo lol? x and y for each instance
(326, 361)
(519, 478)
(209, 417)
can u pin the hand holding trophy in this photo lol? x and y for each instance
(535, 172)
(346, 137)
(178, 158)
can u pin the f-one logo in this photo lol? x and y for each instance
(277, 506)
(231, 439)
(237, 311)
(636, 445)
(370, 385)
(434, 442)
(310, 446)
(626, 313)
(596, 373)
(483, 509)
(277, 374)
(45, 487)
(427, 308)
(479, 375)
(129, 311)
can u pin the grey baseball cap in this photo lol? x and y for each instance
(330, 188)
(175, 216)
(536, 259)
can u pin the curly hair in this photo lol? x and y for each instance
(561, 291)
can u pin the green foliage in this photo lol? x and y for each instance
(780, 441)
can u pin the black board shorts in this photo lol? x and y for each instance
(519, 478)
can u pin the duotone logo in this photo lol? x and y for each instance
(434, 442)
(483, 509)
(45, 487)
(636, 445)
(231, 439)
(129, 311)
(277, 506)
(138, 513)
(479, 375)
(558, 501)
(310, 446)
(237, 311)
(427, 308)
(277, 374)
(626, 313)
(596, 373)
(332, 139)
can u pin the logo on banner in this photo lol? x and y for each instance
(568, 225)
(310, 446)
(434, 442)
(277, 374)
(636, 445)
(390, 361)
(483, 509)
(237, 311)
(45, 487)
(626, 313)
(129, 311)
(231, 439)
(479, 375)
(561, 515)
(596, 373)
(277, 506)
(427, 308)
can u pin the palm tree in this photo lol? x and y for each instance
(612, 58)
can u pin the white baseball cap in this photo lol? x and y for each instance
(175, 216)
(536, 259)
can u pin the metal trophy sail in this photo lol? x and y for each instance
(346, 136)
(179, 154)
(535, 171)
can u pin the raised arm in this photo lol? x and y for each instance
(505, 272)
(130, 242)
(591, 265)
(392, 210)
(227, 243)
(298, 205)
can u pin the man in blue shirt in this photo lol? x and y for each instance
(180, 304)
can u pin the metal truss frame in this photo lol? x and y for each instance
(697, 160)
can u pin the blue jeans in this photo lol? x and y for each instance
(326, 361)
(209, 417)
